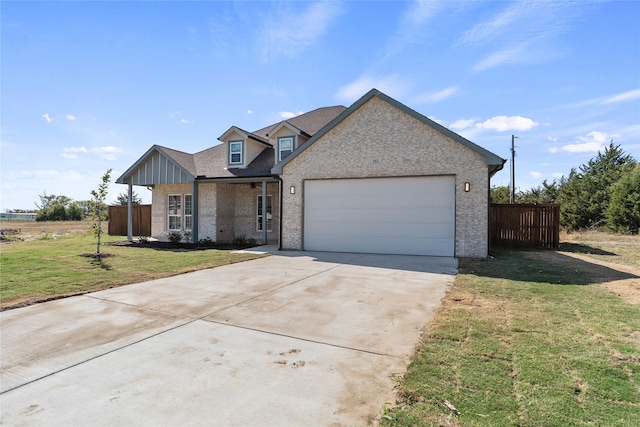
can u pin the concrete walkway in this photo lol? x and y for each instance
(297, 338)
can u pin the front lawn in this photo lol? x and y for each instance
(529, 338)
(53, 266)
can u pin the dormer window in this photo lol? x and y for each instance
(285, 147)
(236, 152)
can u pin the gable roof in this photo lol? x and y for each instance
(308, 123)
(160, 165)
(494, 162)
(245, 134)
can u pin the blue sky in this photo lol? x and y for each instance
(87, 86)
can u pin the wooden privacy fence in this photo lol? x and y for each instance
(141, 220)
(525, 225)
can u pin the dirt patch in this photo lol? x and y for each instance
(622, 280)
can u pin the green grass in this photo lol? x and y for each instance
(46, 268)
(525, 339)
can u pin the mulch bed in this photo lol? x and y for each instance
(173, 246)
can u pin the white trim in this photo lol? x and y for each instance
(293, 146)
(178, 214)
(189, 216)
(231, 153)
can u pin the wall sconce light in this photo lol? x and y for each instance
(467, 187)
(292, 190)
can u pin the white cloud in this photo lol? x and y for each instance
(522, 32)
(505, 123)
(390, 85)
(421, 11)
(249, 112)
(462, 124)
(436, 96)
(70, 117)
(514, 54)
(622, 97)
(290, 33)
(75, 150)
(592, 143)
(49, 175)
(285, 115)
(629, 95)
(496, 25)
(535, 174)
(109, 152)
(587, 147)
(553, 150)
(440, 122)
(47, 118)
(184, 121)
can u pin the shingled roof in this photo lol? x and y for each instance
(212, 162)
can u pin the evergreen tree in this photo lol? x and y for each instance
(585, 194)
(499, 194)
(623, 213)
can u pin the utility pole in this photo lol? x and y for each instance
(513, 170)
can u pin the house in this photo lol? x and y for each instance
(376, 177)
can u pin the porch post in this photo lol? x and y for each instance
(130, 213)
(194, 212)
(264, 212)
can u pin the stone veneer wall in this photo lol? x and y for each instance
(378, 140)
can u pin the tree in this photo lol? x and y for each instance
(545, 193)
(123, 199)
(52, 207)
(100, 208)
(74, 212)
(585, 194)
(623, 213)
(499, 194)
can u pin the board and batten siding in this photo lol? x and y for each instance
(158, 168)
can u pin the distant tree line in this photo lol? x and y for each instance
(62, 208)
(604, 192)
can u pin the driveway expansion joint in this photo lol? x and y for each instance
(359, 350)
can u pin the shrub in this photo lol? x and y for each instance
(174, 237)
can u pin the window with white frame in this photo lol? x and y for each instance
(260, 216)
(285, 147)
(188, 212)
(175, 212)
(235, 152)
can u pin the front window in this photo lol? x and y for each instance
(175, 212)
(260, 216)
(235, 152)
(285, 147)
(188, 212)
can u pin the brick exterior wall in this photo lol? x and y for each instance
(159, 201)
(378, 140)
(208, 211)
(246, 211)
(225, 211)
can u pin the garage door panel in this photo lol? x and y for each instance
(413, 215)
(386, 214)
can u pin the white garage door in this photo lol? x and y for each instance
(413, 215)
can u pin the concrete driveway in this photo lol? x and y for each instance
(297, 338)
